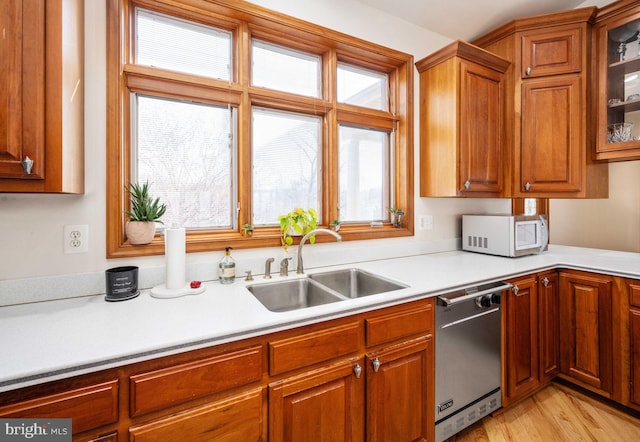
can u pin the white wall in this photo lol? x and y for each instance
(31, 225)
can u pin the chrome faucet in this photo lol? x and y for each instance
(267, 268)
(300, 268)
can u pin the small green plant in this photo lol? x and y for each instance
(297, 222)
(143, 207)
(248, 229)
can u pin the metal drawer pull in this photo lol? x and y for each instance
(376, 365)
(27, 164)
(545, 281)
(528, 71)
(515, 289)
(357, 370)
(527, 186)
(467, 184)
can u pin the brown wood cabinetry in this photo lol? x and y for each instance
(531, 335)
(324, 404)
(462, 122)
(366, 376)
(400, 393)
(89, 405)
(634, 340)
(586, 330)
(617, 101)
(41, 108)
(547, 97)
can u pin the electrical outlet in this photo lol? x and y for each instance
(425, 222)
(76, 238)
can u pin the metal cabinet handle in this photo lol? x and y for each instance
(528, 71)
(467, 184)
(376, 365)
(27, 164)
(357, 370)
(515, 289)
(527, 186)
(545, 281)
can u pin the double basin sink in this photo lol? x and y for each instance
(321, 288)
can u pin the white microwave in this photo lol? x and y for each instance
(505, 235)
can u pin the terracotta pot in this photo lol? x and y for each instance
(140, 232)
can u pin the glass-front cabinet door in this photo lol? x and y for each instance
(618, 67)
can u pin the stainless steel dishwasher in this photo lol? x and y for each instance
(468, 357)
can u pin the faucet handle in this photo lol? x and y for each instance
(267, 268)
(284, 266)
(249, 276)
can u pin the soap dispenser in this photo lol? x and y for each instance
(227, 268)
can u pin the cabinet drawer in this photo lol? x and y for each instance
(551, 52)
(311, 348)
(634, 294)
(239, 418)
(159, 389)
(88, 407)
(399, 325)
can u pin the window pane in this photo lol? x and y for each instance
(286, 164)
(362, 87)
(283, 69)
(182, 46)
(364, 174)
(183, 151)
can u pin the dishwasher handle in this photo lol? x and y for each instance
(472, 295)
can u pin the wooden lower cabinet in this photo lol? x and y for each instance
(531, 335)
(318, 382)
(325, 404)
(238, 418)
(399, 394)
(634, 325)
(586, 329)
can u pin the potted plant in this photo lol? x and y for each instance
(247, 229)
(296, 223)
(335, 225)
(396, 216)
(144, 214)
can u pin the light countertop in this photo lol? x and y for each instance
(45, 341)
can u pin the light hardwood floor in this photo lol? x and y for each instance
(556, 413)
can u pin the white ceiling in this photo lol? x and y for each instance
(467, 19)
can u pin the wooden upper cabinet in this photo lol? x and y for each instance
(552, 156)
(548, 135)
(551, 52)
(42, 100)
(461, 122)
(617, 101)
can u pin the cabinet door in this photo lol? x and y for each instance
(400, 392)
(22, 93)
(548, 326)
(481, 130)
(324, 404)
(634, 328)
(520, 308)
(553, 153)
(586, 328)
(551, 52)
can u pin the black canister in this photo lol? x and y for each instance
(122, 283)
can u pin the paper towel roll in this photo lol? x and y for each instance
(175, 255)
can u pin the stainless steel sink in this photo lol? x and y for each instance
(282, 296)
(356, 283)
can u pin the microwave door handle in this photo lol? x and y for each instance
(545, 233)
